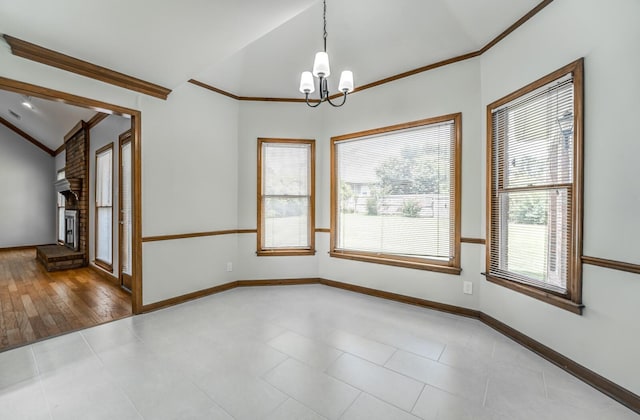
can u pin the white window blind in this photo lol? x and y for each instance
(104, 209)
(532, 187)
(286, 195)
(395, 193)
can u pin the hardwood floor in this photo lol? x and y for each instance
(35, 304)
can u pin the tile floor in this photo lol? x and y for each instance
(291, 352)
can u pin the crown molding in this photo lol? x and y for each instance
(52, 58)
(398, 76)
(26, 136)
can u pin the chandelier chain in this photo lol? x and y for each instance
(324, 18)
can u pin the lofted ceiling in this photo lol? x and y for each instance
(255, 47)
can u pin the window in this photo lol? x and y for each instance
(104, 208)
(535, 189)
(60, 208)
(286, 207)
(396, 195)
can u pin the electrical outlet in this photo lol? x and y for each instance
(467, 287)
(229, 266)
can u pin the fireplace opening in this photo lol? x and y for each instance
(71, 229)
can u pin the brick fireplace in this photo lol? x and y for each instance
(75, 189)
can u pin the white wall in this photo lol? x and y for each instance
(27, 197)
(106, 132)
(271, 120)
(606, 338)
(189, 184)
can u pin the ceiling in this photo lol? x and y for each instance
(256, 47)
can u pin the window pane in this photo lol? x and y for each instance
(104, 234)
(104, 185)
(535, 235)
(125, 156)
(286, 222)
(285, 169)
(395, 192)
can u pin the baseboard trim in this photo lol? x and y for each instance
(602, 384)
(442, 307)
(104, 274)
(22, 247)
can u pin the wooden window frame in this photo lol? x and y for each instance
(572, 299)
(102, 264)
(310, 250)
(450, 267)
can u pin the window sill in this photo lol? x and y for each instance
(284, 252)
(103, 265)
(537, 293)
(397, 262)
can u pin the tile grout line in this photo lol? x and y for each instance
(418, 399)
(40, 385)
(109, 376)
(350, 405)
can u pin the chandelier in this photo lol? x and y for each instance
(322, 71)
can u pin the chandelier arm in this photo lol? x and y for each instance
(344, 99)
(306, 99)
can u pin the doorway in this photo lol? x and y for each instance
(134, 267)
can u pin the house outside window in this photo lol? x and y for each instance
(534, 239)
(396, 195)
(286, 202)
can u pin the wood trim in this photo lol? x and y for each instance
(21, 247)
(214, 89)
(52, 58)
(515, 26)
(323, 230)
(538, 293)
(422, 69)
(60, 149)
(449, 267)
(196, 235)
(310, 249)
(27, 137)
(96, 119)
(104, 274)
(612, 264)
(187, 297)
(443, 307)
(52, 94)
(602, 384)
(573, 299)
(278, 282)
(398, 76)
(103, 265)
(472, 240)
(73, 131)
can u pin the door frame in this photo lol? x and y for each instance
(136, 127)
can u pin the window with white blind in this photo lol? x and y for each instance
(286, 184)
(396, 195)
(60, 209)
(535, 210)
(104, 208)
